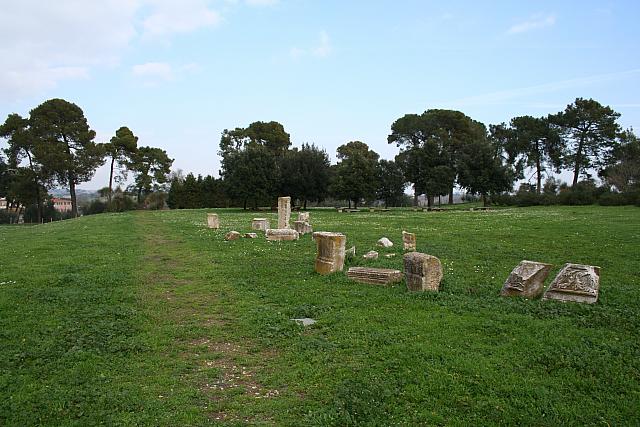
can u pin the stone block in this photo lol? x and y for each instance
(330, 251)
(422, 272)
(302, 227)
(303, 216)
(250, 235)
(232, 235)
(385, 243)
(284, 212)
(261, 224)
(374, 276)
(526, 280)
(370, 255)
(281, 234)
(576, 283)
(409, 241)
(213, 221)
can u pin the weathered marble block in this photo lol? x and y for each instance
(302, 227)
(409, 241)
(213, 221)
(284, 212)
(351, 252)
(331, 251)
(370, 255)
(250, 235)
(384, 242)
(575, 282)
(281, 234)
(422, 272)
(374, 276)
(232, 235)
(303, 216)
(261, 224)
(526, 280)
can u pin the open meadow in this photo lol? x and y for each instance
(151, 318)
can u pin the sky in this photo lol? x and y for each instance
(178, 73)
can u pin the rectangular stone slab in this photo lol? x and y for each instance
(409, 241)
(261, 224)
(576, 283)
(213, 221)
(374, 276)
(281, 234)
(284, 212)
(330, 251)
(526, 280)
(302, 227)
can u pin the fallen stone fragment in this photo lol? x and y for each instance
(305, 321)
(281, 234)
(423, 272)
(390, 255)
(385, 243)
(576, 283)
(374, 276)
(250, 235)
(302, 227)
(370, 255)
(526, 280)
(232, 235)
(330, 251)
(409, 241)
(303, 216)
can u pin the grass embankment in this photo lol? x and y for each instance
(150, 318)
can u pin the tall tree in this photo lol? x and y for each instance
(355, 177)
(22, 145)
(623, 170)
(270, 135)
(250, 174)
(431, 143)
(391, 182)
(121, 147)
(589, 130)
(66, 144)
(482, 171)
(304, 174)
(151, 167)
(534, 142)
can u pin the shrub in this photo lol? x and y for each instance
(155, 201)
(96, 206)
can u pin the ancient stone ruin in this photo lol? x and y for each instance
(302, 227)
(281, 234)
(331, 251)
(374, 276)
(250, 235)
(232, 235)
(284, 212)
(422, 272)
(384, 242)
(261, 224)
(575, 282)
(370, 255)
(409, 241)
(526, 280)
(303, 216)
(213, 221)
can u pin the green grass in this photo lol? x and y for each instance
(150, 318)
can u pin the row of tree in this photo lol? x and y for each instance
(55, 146)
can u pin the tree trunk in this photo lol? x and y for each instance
(35, 181)
(451, 195)
(139, 194)
(484, 200)
(429, 201)
(439, 200)
(415, 197)
(244, 206)
(113, 159)
(349, 203)
(539, 172)
(305, 204)
(72, 192)
(576, 170)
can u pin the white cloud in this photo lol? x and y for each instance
(321, 50)
(535, 22)
(170, 17)
(503, 97)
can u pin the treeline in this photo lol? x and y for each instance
(55, 146)
(440, 150)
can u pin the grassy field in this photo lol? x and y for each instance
(150, 318)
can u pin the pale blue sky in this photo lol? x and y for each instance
(179, 72)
